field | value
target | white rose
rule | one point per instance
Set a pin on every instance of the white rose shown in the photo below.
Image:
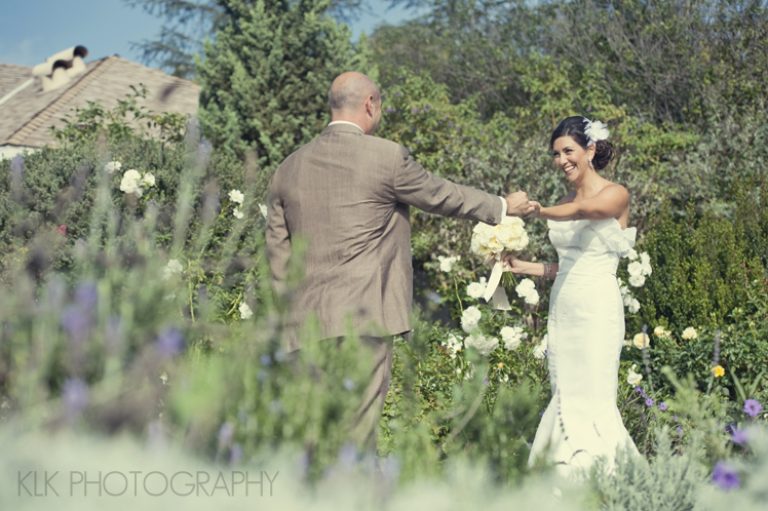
(475, 290)
(148, 179)
(540, 350)
(632, 254)
(263, 210)
(524, 287)
(511, 233)
(641, 341)
(245, 311)
(237, 213)
(512, 337)
(171, 269)
(636, 280)
(131, 182)
(633, 306)
(634, 378)
(661, 332)
(484, 345)
(236, 196)
(635, 268)
(690, 334)
(532, 298)
(453, 344)
(470, 318)
(112, 166)
(447, 262)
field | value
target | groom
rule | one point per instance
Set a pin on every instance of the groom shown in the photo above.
(346, 196)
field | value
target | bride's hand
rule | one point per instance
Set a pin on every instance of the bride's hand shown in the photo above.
(513, 264)
(534, 208)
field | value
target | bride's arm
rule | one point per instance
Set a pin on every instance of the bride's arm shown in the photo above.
(520, 267)
(611, 202)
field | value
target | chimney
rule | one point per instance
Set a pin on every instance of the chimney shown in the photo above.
(61, 67)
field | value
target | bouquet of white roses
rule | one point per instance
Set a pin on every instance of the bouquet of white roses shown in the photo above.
(493, 242)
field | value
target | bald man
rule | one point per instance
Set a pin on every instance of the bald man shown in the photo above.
(346, 195)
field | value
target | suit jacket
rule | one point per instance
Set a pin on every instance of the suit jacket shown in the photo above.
(346, 196)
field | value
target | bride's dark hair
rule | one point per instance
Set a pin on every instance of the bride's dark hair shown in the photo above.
(574, 127)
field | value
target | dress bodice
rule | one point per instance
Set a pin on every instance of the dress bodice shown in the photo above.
(590, 247)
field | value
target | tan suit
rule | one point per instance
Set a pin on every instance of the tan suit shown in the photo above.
(347, 195)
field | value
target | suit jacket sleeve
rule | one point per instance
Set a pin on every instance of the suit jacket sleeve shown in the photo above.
(278, 238)
(416, 187)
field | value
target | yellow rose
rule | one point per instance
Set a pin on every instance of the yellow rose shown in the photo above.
(641, 341)
(718, 371)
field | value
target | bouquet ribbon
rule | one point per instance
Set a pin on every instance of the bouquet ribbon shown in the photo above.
(495, 293)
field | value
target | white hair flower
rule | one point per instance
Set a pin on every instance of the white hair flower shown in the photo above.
(595, 130)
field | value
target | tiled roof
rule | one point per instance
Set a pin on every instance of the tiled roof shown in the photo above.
(26, 118)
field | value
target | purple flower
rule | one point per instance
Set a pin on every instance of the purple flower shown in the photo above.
(390, 109)
(235, 454)
(74, 395)
(87, 295)
(265, 360)
(226, 432)
(752, 407)
(739, 436)
(348, 456)
(170, 342)
(725, 476)
(663, 406)
(113, 334)
(648, 402)
(76, 321)
(679, 430)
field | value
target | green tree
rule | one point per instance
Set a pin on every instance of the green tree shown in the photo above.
(264, 79)
(188, 23)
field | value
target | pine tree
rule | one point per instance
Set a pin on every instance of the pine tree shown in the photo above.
(265, 78)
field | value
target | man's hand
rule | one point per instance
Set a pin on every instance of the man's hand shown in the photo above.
(518, 204)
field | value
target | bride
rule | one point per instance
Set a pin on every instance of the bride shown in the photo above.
(585, 327)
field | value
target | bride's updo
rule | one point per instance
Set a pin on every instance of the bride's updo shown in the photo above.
(586, 133)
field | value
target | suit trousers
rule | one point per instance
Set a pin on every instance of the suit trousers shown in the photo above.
(366, 422)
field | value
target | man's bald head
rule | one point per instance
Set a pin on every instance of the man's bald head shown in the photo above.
(349, 91)
(355, 98)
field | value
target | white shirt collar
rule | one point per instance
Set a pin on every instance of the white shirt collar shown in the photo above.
(334, 123)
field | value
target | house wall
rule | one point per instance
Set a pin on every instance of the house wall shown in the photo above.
(9, 151)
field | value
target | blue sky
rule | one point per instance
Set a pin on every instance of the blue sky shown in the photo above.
(31, 30)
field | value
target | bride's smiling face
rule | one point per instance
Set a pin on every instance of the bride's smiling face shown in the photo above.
(571, 158)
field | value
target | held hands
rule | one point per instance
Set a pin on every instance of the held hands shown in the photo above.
(518, 204)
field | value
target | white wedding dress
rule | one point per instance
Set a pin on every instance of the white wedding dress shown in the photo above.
(585, 332)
